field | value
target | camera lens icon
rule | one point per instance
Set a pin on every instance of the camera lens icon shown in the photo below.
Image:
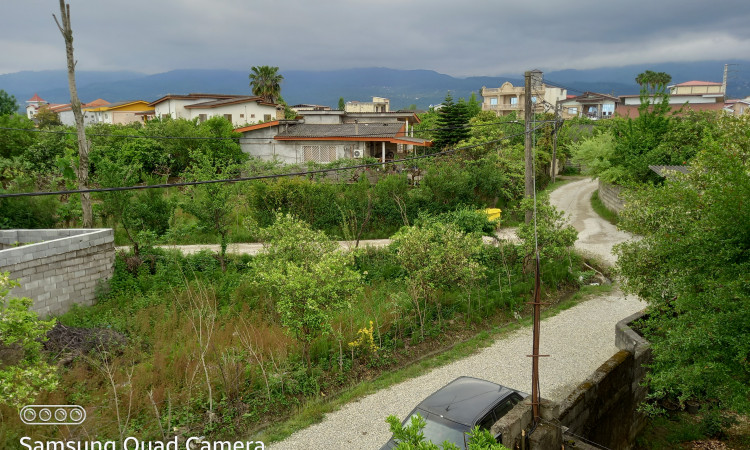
(52, 414)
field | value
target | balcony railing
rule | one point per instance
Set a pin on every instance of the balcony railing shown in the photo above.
(501, 107)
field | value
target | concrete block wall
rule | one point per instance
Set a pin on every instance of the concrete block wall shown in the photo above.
(609, 194)
(604, 408)
(57, 268)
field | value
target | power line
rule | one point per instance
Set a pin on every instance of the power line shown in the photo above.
(136, 136)
(559, 85)
(257, 177)
(567, 431)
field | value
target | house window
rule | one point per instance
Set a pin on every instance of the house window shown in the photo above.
(242, 116)
(252, 116)
(493, 101)
(514, 100)
(165, 116)
(266, 117)
(202, 118)
(572, 110)
(319, 153)
(228, 117)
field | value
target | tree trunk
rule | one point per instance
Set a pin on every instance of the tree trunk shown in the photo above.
(82, 172)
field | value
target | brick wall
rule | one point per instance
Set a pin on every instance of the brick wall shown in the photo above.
(57, 268)
(609, 194)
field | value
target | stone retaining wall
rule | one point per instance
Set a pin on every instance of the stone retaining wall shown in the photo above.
(603, 409)
(57, 268)
(609, 194)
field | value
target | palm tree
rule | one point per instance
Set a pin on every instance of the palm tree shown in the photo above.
(662, 79)
(266, 82)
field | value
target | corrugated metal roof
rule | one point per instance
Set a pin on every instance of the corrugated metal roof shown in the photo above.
(382, 130)
(664, 171)
(227, 101)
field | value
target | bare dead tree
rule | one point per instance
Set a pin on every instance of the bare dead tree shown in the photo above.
(106, 364)
(249, 342)
(82, 171)
(200, 309)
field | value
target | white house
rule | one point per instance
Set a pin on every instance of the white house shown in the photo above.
(590, 105)
(325, 136)
(238, 109)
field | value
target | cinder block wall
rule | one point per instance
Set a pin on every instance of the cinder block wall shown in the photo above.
(609, 194)
(604, 408)
(57, 268)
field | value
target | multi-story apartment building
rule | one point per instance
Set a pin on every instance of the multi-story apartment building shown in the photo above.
(508, 98)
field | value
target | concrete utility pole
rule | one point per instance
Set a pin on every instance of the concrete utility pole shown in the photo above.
(558, 124)
(82, 171)
(531, 79)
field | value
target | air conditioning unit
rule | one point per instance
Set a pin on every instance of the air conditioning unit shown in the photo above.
(357, 153)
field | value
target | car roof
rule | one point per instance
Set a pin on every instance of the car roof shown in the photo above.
(465, 399)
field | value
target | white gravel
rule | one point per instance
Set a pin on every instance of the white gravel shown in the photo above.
(578, 341)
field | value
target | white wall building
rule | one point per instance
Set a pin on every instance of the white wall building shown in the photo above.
(238, 109)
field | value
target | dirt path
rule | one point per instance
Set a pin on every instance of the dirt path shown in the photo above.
(579, 340)
(595, 235)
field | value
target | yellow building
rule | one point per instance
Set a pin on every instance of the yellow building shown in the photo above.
(122, 113)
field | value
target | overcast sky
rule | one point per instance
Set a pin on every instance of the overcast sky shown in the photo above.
(459, 37)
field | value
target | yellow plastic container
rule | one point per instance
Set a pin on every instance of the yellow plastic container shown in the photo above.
(493, 213)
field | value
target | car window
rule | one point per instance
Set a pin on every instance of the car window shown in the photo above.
(499, 411)
(439, 430)
(504, 407)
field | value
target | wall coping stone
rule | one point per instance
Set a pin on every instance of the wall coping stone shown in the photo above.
(627, 339)
(48, 242)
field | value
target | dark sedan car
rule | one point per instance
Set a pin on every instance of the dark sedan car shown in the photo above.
(457, 407)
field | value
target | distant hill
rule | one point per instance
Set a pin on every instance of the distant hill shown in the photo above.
(402, 87)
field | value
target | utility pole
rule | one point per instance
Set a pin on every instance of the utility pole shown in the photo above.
(82, 171)
(531, 80)
(558, 125)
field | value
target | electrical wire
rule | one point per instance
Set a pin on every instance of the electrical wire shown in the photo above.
(241, 138)
(562, 86)
(257, 177)
(567, 431)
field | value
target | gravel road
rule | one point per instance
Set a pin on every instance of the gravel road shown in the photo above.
(579, 340)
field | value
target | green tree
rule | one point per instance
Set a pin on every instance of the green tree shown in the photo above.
(47, 118)
(650, 139)
(212, 203)
(553, 235)
(24, 373)
(653, 80)
(692, 267)
(473, 106)
(143, 215)
(309, 276)
(14, 140)
(436, 255)
(8, 103)
(453, 120)
(265, 82)
(342, 104)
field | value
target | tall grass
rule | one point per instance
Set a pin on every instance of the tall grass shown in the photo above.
(173, 377)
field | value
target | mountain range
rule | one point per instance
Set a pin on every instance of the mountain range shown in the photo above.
(403, 87)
